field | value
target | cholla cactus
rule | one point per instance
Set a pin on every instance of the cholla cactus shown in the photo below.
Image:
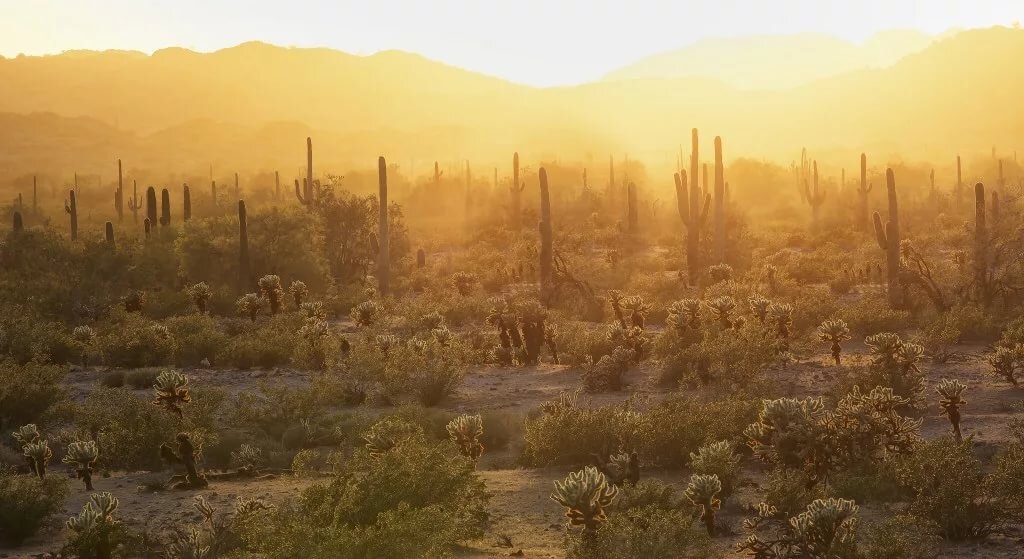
(463, 282)
(313, 329)
(38, 454)
(385, 342)
(759, 307)
(1005, 360)
(249, 305)
(186, 455)
(826, 528)
(722, 309)
(782, 316)
(247, 458)
(85, 337)
(835, 332)
(97, 513)
(785, 431)
(253, 505)
(366, 313)
(720, 273)
(465, 431)
(951, 391)
(314, 309)
(585, 494)
(442, 335)
(883, 347)
(388, 433)
(26, 434)
(622, 468)
(717, 458)
(171, 391)
(615, 300)
(200, 294)
(83, 455)
(703, 491)
(298, 291)
(270, 286)
(638, 310)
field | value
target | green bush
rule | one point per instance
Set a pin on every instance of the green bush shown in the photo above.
(26, 337)
(649, 532)
(29, 391)
(903, 536)
(26, 503)
(197, 337)
(131, 340)
(266, 344)
(672, 429)
(566, 431)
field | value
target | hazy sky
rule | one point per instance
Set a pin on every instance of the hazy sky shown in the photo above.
(539, 42)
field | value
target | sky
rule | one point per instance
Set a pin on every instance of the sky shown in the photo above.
(535, 42)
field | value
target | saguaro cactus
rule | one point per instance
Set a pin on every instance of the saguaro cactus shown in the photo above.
(119, 193)
(632, 214)
(815, 198)
(718, 221)
(688, 201)
(277, 185)
(151, 206)
(515, 210)
(213, 193)
(109, 233)
(35, 196)
(186, 203)
(309, 169)
(980, 246)
(959, 182)
(862, 193)
(71, 207)
(243, 248)
(148, 226)
(546, 242)
(384, 231)
(238, 189)
(889, 241)
(134, 204)
(165, 208)
(18, 225)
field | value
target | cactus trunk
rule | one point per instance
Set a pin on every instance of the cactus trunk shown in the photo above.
(421, 258)
(515, 211)
(688, 199)
(863, 218)
(119, 195)
(959, 182)
(309, 170)
(18, 225)
(72, 209)
(165, 208)
(384, 231)
(719, 210)
(35, 196)
(243, 248)
(108, 230)
(277, 186)
(186, 203)
(980, 246)
(546, 242)
(889, 241)
(632, 215)
(151, 205)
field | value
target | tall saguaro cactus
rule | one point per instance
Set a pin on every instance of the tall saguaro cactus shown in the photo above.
(18, 225)
(134, 204)
(243, 248)
(632, 213)
(889, 241)
(862, 194)
(815, 198)
(35, 196)
(151, 205)
(165, 208)
(959, 182)
(71, 207)
(277, 186)
(546, 241)
(688, 200)
(309, 169)
(718, 220)
(108, 230)
(383, 230)
(119, 194)
(186, 203)
(980, 246)
(515, 210)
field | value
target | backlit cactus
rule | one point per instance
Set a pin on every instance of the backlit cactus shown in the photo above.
(981, 247)
(119, 193)
(171, 392)
(717, 458)
(827, 527)
(200, 294)
(516, 191)
(383, 230)
(722, 309)
(18, 226)
(684, 313)
(703, 492)
(863, 189)
(692, 212)
(952, 400)
(270, 287)
(632, 210)
(249, 305)
(306, 196)
(781, 315)
(546, 253)
(637, 309)
(718, 219)
(134, 204)
(834, 332)
(816, 197)
(165, 208)
(186, 456)
(366, 313)
(83, 455)
(244, 273)
(889, 240)
(585, 494)
(71, 207)
(759, 307)
(96, 523)
(465, 431)
(299, 292)
(151, 206)
(186, 203)
(38, 454)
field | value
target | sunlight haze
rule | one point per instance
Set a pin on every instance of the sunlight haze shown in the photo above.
(532, 42)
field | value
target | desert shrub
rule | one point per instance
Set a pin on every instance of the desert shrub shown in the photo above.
(428, 370)
(112, 379)
(579, 341)
(826, 529)
(24, 337)
(606, 374)
(650, 532)
(412, 473)
(646, 493)
(273, 408)
(894, 364)
(903, 536)
(198, 337)
(868, 483)
(672, 429)
(129, 430)
(142, 379)
(872, 314)
(317, 345)
(26, 502)
(266, 344)
(501, 428)
(951, 490)
(29, 391)
(131, 340)
(96, 532)
(567, 431)
(787, 491)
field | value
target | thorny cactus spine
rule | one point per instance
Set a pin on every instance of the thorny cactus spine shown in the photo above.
(465, 431)
(171, 391)
(834, 332)
(889, 240)
(585, 494)
(952, 400)
(83, 455)
(703, 491)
